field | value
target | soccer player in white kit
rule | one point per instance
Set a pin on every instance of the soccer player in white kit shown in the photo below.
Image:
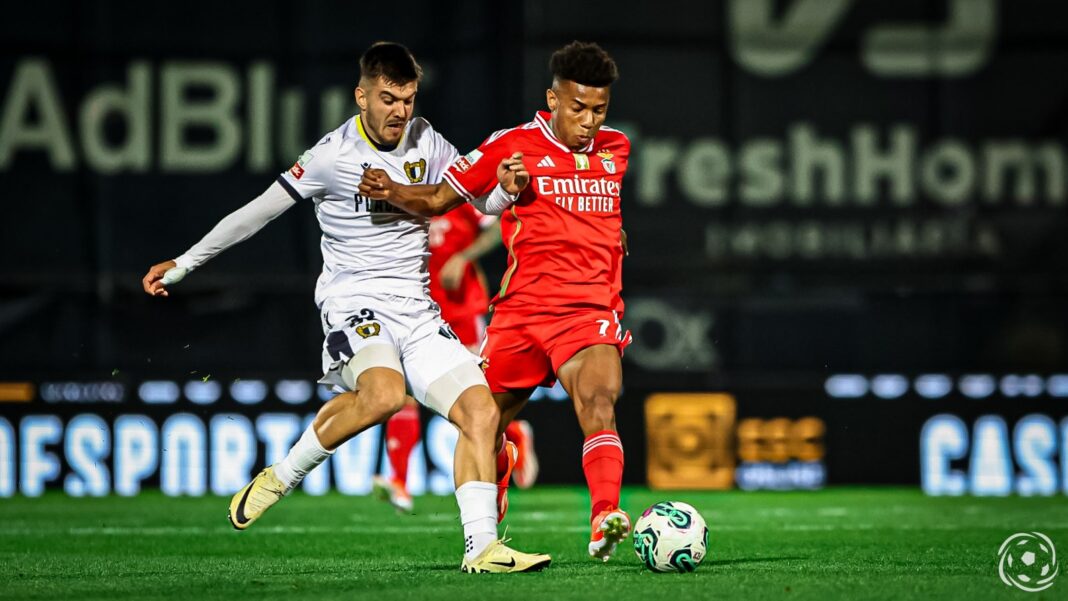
(380, 323)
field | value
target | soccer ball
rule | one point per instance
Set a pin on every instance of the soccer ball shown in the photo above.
(671, 537)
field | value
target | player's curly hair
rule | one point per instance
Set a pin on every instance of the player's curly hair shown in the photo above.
(390, 60)
(584, 63)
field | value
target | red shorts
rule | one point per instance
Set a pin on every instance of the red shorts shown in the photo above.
(524, 349)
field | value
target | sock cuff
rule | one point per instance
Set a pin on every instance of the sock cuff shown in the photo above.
(478, 505)
(312, 439)
(605, 439)
(476, 485)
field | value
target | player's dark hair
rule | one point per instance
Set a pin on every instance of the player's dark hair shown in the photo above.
(584, 63)
(391, 61)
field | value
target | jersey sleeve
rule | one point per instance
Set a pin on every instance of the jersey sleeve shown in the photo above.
(475, 174)
(314, 172)
(442, 154)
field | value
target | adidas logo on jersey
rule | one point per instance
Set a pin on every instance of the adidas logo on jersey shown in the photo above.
(546, 162)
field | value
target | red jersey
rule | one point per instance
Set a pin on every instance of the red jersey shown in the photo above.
(563, 233)
(450, 234)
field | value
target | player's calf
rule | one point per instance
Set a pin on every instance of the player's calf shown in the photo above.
(596, 408)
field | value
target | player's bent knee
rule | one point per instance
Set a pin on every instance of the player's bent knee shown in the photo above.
(476, 417)
(382, 402)
(443, 393)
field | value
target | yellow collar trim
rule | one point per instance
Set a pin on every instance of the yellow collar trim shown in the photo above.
(372, 143)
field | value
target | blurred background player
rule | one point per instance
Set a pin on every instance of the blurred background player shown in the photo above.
(558, 310)
(458, 239)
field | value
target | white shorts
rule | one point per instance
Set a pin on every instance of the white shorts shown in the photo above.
(423, 347)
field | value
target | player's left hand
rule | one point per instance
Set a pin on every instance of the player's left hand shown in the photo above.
(153, 280)
(452, 272)
(513, 174)
(376, 185)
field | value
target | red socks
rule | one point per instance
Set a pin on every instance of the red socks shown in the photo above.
(515, 434)
(602, 461)
(502, 459)
(402, 433)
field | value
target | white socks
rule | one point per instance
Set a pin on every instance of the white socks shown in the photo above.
(302, 458)
(478, 513)
(477, 500)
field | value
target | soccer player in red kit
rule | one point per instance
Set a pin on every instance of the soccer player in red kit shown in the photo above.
(458, 239)
(557, 313)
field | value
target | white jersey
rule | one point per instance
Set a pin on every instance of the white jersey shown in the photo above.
(369, 246)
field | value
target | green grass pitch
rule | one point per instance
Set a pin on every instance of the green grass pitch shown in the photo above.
(843, 543)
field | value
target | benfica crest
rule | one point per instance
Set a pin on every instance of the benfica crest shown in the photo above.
(607, 162)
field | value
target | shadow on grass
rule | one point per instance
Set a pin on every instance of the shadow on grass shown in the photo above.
(630, 567)
(741, 560)
(627, 566)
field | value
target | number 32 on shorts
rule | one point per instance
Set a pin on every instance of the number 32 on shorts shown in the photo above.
(368, 329)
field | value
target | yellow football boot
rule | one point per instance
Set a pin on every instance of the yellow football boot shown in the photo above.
(500, 558)
(257, 497)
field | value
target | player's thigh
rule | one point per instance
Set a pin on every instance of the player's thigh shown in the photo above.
(439, 369)
(382, 389)
(585, 347)
(473, 410)
(594, 373)
(510, 404)
(514, 363)
(513, 400)
(569, 334)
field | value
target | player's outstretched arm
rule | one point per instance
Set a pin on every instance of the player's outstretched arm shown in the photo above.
(235, 227)
(426, 200)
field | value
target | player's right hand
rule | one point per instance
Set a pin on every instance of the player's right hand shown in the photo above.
(152, 280)
(513, 174)
(376, 184)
